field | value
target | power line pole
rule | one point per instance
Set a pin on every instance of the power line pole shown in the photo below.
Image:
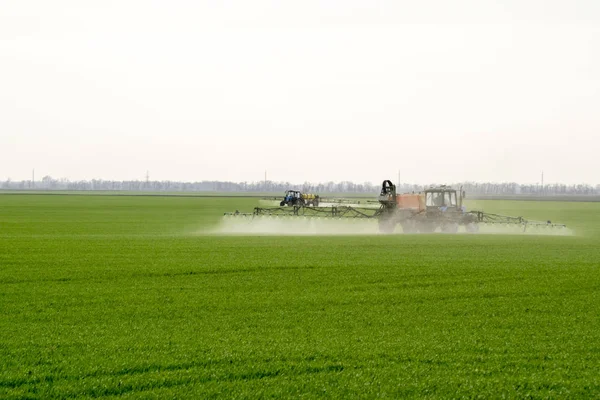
(33, 178)
(542, 182)
(398, 179)
(265, 179)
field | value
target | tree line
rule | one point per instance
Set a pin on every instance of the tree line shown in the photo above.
(510, 188)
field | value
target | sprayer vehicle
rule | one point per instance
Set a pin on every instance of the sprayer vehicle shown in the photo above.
(434, 208)
(310, 199)
(298, 199)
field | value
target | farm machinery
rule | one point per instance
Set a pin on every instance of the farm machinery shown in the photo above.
(297, 198)
(439, 207)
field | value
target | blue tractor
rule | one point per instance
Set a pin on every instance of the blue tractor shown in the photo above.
(295, 198)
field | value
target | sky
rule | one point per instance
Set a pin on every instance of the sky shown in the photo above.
(329, 90)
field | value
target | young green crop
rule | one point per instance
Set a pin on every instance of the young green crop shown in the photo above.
(124, 296)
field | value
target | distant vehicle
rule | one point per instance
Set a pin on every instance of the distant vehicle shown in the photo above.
(298, 199)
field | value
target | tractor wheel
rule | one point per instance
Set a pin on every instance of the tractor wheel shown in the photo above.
(409, 226)
(472, 227)
(427, 227)
(316, 202)
(386, 226)
(450, 227)
(282, 204)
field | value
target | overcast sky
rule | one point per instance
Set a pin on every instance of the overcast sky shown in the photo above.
(323, 90)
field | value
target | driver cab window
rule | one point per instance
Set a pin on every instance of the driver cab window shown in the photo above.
(450, 199)
(434, 199)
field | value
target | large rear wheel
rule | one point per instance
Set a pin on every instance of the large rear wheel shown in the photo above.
(409, 226)
(472, 227)
(450, 227)
(427, 227)
(387, 226)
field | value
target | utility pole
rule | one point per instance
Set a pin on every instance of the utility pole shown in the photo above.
(542, 182)
(265, 179)
(398, 179)
(147, 176)
(33, 178)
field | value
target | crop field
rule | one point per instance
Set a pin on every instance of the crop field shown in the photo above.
(132, 297)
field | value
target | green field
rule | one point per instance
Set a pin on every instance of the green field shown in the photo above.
(123, 296)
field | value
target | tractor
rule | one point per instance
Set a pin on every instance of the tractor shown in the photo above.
(297, 199)
(425, 211)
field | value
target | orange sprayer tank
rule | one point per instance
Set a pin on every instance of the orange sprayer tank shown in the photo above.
(411, 201)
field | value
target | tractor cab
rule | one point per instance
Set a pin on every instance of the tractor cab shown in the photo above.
(441, 197)
(291, 198)
(292, 195)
